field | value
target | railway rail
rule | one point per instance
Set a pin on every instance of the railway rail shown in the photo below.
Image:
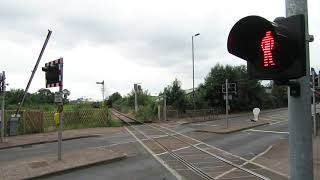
(185, 154)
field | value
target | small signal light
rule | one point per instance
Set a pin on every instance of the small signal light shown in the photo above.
(267, 45)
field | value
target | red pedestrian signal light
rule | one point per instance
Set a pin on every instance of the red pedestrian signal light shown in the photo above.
(267, 45)
(273, 50)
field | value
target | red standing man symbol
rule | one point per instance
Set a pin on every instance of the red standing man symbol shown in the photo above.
(267, 45)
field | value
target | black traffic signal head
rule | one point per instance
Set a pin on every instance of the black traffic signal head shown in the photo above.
(52, 73)
(273, 50)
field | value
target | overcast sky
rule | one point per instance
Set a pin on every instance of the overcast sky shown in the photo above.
(127, 41)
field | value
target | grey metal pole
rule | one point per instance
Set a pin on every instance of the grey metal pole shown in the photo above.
(319, 79)
(300, 123)
(159, 112)
(103, 90)
(135, 98)
(194, 104)
(60, 122)
(227, 104)
(165, 107)
(2, 108)
(314, 102)
(193, 74)
(60, 131)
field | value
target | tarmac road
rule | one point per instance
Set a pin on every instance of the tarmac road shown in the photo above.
(141, 165)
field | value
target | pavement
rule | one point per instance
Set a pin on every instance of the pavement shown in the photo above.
(107, 154)
(43, 166)
(20, 164)
(41, 138)
(232, 126)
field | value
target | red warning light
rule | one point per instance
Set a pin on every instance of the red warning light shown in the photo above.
(267, 45)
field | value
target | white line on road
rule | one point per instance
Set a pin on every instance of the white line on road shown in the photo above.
(177, 149)
(226, 152)
(158, 136)
(204, 124)
(251, 160)
(263, 131)
(115, 144)
(277, 122)
(173, 172)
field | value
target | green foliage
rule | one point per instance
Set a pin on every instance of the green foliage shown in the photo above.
(175, 96)
(43, 99)
(145, 112)
(279, 94)
(113, 98)
(115, 123)
(250, 93)
(146, 104)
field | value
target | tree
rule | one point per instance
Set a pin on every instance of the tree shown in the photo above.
(175, 96)
(250, 93)
(280, 94)
(113, 98)
(14, 96)
(44, 96)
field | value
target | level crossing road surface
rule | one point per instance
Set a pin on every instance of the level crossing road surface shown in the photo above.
(187, 159)
(239, 148)
(236, 147)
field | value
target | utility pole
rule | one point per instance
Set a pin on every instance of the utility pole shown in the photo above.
(300, 123)
(165, 107)
(135, 86)
(227, 104)
(314, 102)
(3, 84)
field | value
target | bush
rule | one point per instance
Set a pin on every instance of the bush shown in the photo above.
(145, 113)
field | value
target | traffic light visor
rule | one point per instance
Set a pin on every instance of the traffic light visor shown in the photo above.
(249, 36)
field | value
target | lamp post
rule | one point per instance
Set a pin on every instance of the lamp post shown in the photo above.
(194, 106)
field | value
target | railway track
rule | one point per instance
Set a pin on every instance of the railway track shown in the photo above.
(191, 158)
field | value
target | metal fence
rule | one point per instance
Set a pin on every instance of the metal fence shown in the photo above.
(38, 122)
(199, 114)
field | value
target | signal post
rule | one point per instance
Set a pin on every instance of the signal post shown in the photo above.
(279, 51)
(54, 78)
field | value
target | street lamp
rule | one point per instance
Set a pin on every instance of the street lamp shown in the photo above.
(194, 106)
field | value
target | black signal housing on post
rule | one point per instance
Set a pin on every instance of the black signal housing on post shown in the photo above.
(54, 73)
(273, 50)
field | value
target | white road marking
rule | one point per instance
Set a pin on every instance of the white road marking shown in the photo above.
(204, 124)
(115, 144)
(263, 131)
(239, 157)
(159, 154)
(158, 136)
(173, 172)
(277, 122)
(251, 160)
